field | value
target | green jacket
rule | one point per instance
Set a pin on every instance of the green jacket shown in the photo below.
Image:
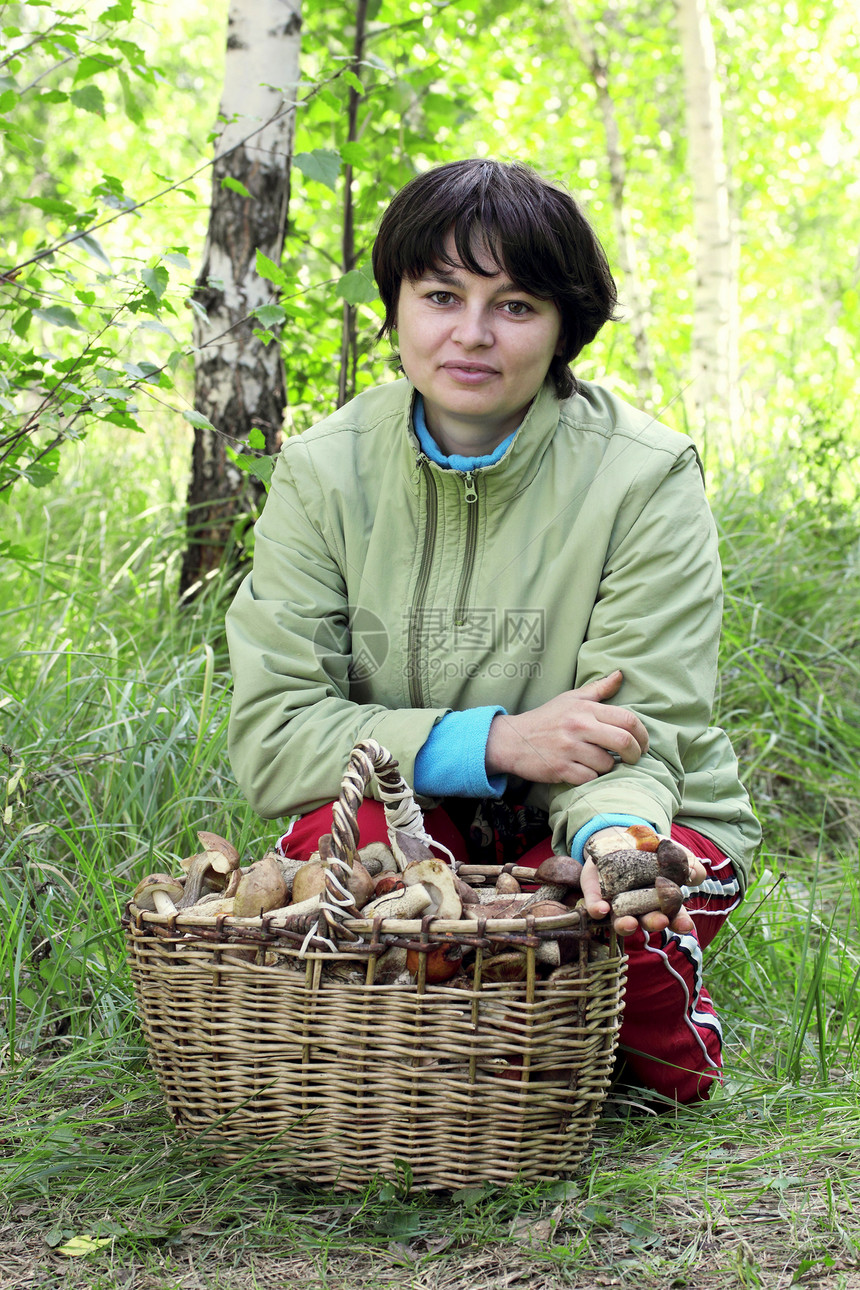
(387, 591)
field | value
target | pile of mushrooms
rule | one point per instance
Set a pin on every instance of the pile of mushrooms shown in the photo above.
(638, 871)
(642, 878)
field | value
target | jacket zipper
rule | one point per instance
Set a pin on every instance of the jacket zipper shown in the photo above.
(415, 626)
(461, 598)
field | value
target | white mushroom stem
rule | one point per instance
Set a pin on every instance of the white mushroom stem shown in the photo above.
(163, 903)
(399, 904)
(302, 907)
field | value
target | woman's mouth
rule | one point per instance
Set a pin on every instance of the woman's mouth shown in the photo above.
(470, 373)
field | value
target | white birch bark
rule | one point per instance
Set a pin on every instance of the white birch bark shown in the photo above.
(636, 308)
(714, 387)
(239, 382)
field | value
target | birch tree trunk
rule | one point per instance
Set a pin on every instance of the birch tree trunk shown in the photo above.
(637, 310)
(714, 359)
(348, 357)
(239, 381)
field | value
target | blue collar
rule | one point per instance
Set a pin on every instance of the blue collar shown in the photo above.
(455, 461)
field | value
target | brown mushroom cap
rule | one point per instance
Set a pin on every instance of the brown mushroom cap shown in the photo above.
(223, 855)
(673, 862)
(310, 881)
(563, 870)
(262, 888)
(146, 893)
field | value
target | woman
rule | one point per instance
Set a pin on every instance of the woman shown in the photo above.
(469, 564)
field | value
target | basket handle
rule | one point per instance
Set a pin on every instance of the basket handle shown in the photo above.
(367, 759)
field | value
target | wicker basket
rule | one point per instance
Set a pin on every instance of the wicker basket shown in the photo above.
(272, 1044)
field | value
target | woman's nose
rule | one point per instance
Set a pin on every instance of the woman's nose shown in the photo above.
(473, 329)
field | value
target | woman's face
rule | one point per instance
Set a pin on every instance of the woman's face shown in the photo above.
(478, 350)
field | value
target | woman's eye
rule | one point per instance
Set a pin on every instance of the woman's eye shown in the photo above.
(517, 307)
(441, 297)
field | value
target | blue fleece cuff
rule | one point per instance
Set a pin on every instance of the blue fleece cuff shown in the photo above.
(455, 462)
(452, 760)
(602, 822)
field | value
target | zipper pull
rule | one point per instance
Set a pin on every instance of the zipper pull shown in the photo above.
(420, 459)
(471, 490)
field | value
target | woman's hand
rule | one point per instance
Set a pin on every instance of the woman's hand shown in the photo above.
(598, 907)
(568, 740)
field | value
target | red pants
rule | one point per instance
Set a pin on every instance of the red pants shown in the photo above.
(670, 1034)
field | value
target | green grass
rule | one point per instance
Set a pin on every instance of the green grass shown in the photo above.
(114, 703)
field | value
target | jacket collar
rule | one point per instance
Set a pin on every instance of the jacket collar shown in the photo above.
(515, 470)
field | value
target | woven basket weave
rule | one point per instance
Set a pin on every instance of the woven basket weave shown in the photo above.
(292, 1056)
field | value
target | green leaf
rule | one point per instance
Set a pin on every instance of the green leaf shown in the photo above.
(270, 271)
(176, 257)
(322, 166)
(269, 315)
(196, 308)
(79, 1246)
(354, 154)
(256, 439)
(21, 325)
(90, 98)
(260, 467)
(122, 11)
(197, 419)
(91, 244)
(8, 99)
(51, 206)
(59, 316)
(152, 324)
(40, 473)
(235, 186)
(92, 66)
(133, 109)
(352, 80)
(156, 279)
(357, 287)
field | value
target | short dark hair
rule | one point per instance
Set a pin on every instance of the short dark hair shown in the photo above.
(534, 231)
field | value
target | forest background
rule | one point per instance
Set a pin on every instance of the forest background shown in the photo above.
(114, 678)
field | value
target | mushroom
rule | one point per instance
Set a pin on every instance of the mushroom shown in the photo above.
(665, 896)
(390, 965)
(673, 861)
(498, 907)
(634, 837)
(262, 888)
(377, 858)
(310, 881)
(509, 967)
(442, 962)
(388, 882)
(559, 870)
(435, 876)
(468, 895)
(631, 870)
(410, 903)
(547, 891)
(507, 884)
(158, 893)
(409, 850)
(547, 909)
(219, 857)
(211, 905)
